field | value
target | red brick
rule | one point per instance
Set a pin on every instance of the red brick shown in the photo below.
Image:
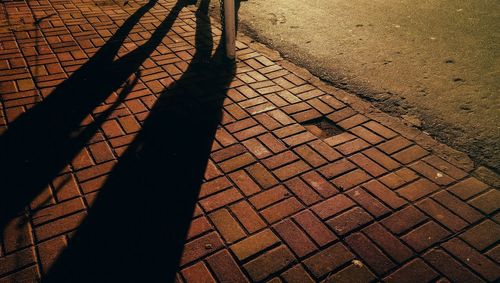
(225, 268)
(65, 187)
(197, 273)
(414, 271)
(200, 247)
(328, 260)
(381, 158)
(351, 179)
(384, 194)
(211, 171)
(101, 152)
(488, 202)
(339, 139)
(267, 121)
(248, 216)
(291, 170)
(228, 152)
(254, 244)
(257, 148)
(394, 145)
(29, 274)
(220, 199)
(59, 226)
(431, 173)
(449, 267)
(482, 235)
(198, 226)
(417, 189)
(214, 186)
(442, 215)
(269, 263)
(56, 211)
(332, 206)
(368, 165)
(249, 133)
(281, 117)
(352, 121)
(468, 188)
(403, 220)
(398, 178)
(425, 236)
(280, 159)
(281, 210)
(473, 259)
(236, 162)
(49, 251)
(111, 129)
(297, 240)
(371, 204)
(241, 125)
(244, 183)
(16, 234)
(263, 177)
(336, 168)
(310, 156)
(299, 139)
(303, 191)
(269, 197)
(325, 150)
(379, 129)
(17, 260)
(457, 206)
(366, 135)
(341, 114)
(367, 250)
(95, 171)
(445, 167)
(348, 221)
(289, 131)
(272, 143)
(322, 186)
(297, 274)
(224, 138)
(315, 228)
(410, 154)
(227, 226)
(388, 242)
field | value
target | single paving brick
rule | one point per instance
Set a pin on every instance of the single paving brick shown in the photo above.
(367, 250)
(315, 228)
(488, 202)
(350, 220)
(269, 263)
(368, 202)
(197, 273)
(425, 236)
(468, 188)
(442, 215)
(247, 216)
(227, 226)
(482, 235)
(473, 259)
(353, 273)
(200, 247)
(388, 242)
(403, 220)
(414, 271)
(254, 244)
(328, 260)
(332, 206)
(450, 267)
(281, 210)
(297, 274)
(295, 238)
(225, 267)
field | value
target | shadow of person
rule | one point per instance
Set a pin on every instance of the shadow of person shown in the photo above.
(40, 143)
(136, 228)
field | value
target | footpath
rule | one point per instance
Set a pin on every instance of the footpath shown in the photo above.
(130, 151)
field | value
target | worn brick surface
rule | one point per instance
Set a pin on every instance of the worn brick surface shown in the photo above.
(276, 201)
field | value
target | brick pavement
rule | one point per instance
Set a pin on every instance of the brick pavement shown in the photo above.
(257, 173)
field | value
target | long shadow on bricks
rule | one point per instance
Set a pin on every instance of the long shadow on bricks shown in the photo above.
(39, 144)
(136, 229)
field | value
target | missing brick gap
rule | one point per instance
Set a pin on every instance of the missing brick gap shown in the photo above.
(322, 127)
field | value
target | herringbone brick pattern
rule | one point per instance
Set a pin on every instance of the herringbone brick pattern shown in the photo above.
(283, 198)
